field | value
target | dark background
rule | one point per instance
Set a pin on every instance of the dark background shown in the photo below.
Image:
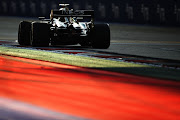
(156, 12)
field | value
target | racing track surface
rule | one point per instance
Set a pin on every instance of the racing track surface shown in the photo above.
(85, 93)
(148, 41)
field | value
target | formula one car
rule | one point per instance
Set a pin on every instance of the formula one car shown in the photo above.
(65, 27)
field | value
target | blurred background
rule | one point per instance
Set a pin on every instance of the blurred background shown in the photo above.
(156, 12)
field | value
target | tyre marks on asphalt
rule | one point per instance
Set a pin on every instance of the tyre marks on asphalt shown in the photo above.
(88, 93)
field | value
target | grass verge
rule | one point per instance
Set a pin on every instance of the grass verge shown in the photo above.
(96, 63)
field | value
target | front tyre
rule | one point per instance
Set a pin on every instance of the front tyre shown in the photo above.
(40, 34)
(100, 36)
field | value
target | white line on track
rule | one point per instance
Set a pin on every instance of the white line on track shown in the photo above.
(16, 110)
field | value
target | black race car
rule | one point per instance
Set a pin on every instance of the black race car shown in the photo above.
(65, 27)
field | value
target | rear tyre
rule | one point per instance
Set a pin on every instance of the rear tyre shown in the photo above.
(100, 36)
(24, 33)
(85, 42)
(40, 34)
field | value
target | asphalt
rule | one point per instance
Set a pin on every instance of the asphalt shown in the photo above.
(141, 40)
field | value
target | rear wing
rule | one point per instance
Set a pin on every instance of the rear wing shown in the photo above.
(71, 13)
